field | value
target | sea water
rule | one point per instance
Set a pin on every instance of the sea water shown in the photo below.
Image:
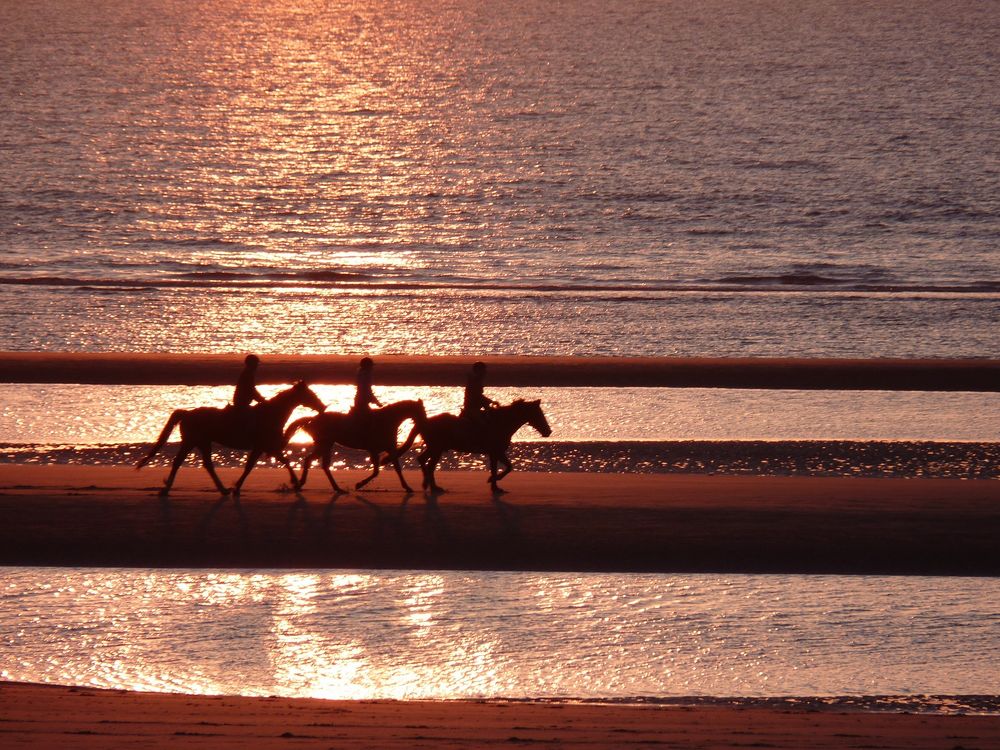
(432, 635)
(788, 178)
(579, 178)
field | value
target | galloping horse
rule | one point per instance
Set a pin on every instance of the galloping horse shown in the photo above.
(377, 435)
(202, 427)
(492, 438)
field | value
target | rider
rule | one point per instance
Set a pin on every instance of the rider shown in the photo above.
(364, 397)
(476, 404)
(246, 392)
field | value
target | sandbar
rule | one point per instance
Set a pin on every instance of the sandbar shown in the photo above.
(149, 368)
(112, 516)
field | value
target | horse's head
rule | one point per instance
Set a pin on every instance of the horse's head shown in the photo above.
(536, 418)
(413, 410)
(304, 396)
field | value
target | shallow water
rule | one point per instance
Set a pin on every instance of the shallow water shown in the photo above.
(361, 634)
(65, 414)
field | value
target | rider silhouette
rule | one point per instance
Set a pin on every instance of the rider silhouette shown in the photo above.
(476, 404)
(246, 393)
(364, 397)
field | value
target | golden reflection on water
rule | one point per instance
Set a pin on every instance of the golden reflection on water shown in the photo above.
(463, 635)
(325, 667)
(94, 415)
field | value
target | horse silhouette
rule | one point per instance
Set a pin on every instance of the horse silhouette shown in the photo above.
(489, 436)
(375, 433)
(260, 434)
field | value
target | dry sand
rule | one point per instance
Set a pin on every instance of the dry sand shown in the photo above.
(44, 717)
(75, 515)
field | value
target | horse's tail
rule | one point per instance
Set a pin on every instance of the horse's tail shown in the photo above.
(417, 429)
(164, 434)
(295, 427)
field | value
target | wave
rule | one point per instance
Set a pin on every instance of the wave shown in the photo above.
(320, 279)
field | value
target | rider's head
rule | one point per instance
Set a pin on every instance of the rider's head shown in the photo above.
(252, 360)
(367, 363)
(479, 368)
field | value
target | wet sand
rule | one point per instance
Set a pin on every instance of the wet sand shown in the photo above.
(112, 516)
(44, 717)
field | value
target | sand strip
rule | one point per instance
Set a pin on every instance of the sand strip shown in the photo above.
(111, 516)
(44, 717)
(409, 370)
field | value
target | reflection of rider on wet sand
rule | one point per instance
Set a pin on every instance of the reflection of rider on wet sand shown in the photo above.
(246, 394)
(476, 405)
(361, 412)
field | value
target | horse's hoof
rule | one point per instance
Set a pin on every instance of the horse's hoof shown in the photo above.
(164, 492)
(499, 490)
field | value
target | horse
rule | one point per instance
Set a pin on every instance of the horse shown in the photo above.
(491, 438)
(206, 425)
(375, 433)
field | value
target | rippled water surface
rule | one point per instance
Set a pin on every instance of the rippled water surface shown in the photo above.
(721, 177)
(453, 635)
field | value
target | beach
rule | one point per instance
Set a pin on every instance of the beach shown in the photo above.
(44, 716)
(749, 275)
(112, 516)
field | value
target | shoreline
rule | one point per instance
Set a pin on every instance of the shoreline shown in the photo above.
(112, 517)
(903, 459)
(49, 716)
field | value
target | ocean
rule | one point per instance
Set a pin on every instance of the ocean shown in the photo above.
(642, 178)
(579, 177)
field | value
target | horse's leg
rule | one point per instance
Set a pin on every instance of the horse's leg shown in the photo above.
(430, 464)
(251, 461)
(366, 480)
(508, 466)
(280, 455)
(325, 465)
(306, 462)
(206, 458)
(182, 453)
(493, 474)
(394, 457)
(422, 460)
